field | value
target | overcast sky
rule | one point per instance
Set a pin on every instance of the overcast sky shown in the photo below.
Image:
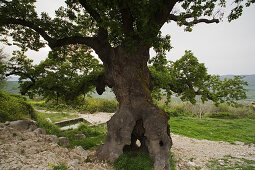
(225, 48)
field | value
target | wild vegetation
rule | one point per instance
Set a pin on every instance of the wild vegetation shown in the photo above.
(14, 107)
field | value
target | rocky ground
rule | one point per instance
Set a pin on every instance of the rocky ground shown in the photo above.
(27, 147)
(33, 149)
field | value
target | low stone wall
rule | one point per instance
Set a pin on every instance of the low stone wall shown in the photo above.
(70, 121)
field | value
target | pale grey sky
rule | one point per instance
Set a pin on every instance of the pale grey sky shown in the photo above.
(225, 48)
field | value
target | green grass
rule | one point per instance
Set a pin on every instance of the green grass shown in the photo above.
(231, 163)
(14, 107)
(214, 129)
(95, 135)
(134, 161)
(56, 117)
(138, 160)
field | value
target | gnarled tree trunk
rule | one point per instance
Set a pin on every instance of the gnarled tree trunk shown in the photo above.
(137, 118)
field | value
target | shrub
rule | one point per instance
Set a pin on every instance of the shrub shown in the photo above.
(99, 105)
(14, 107)
(223, 115)
(175, 111)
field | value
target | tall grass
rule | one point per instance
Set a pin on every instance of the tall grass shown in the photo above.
(14, 107)
(208, 109)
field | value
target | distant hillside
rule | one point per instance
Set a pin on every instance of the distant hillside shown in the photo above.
(13, 87)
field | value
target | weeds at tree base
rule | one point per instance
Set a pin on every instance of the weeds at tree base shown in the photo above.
(139, 160)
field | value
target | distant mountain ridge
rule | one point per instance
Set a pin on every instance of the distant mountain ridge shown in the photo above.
(12, 86)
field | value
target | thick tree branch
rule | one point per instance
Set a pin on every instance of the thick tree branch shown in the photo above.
(102, 34)
(91, 11)
(53, 43)
(177, 18)
(127, 18)
(9, 21)
(162, 13)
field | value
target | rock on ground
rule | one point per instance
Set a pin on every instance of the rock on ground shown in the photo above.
(24, 149)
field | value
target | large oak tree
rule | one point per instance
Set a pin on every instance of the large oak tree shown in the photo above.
(121, 32)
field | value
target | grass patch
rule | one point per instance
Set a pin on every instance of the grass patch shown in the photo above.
(215, 129)
(231, 163)
(172, 161)
(56, 117)
(95, 135)
(14, 107)
(134, 161)
(138, 160)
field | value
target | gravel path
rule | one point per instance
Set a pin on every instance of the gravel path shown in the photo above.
(191, 153)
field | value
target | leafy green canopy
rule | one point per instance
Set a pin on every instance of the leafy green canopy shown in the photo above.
(65, 77)
(187, 78)
(104, 25)
(118, 22)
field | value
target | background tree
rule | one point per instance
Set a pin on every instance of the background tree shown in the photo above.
(121, 33)
(63, 78)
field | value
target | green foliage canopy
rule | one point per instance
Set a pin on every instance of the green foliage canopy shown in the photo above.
(65, 77)
(188, 78)
(102, 25)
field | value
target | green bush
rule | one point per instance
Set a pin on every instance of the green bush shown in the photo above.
(252, 116)
(99, 105)
(14, 107)
(223, 115)
(175, 111)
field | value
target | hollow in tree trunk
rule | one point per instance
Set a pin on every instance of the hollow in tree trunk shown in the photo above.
(137, 118)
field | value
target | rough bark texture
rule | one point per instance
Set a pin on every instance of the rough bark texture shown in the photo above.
(137, 117)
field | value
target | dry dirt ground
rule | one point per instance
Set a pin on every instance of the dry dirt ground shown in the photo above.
(29, 150)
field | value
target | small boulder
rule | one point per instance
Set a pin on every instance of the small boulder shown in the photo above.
(75, 164)
(32, 128)
(80, 151)
(7, 123)
(64, 141)
(40, 131)
(79, 136)
(21, 124)
(53, 138)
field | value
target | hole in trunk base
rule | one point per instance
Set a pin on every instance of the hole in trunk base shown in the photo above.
(137, 138)
(161, 143)
(138, 143)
